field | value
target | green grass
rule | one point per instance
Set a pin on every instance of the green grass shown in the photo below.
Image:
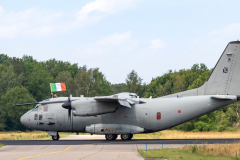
(177, 154)
(2, 145)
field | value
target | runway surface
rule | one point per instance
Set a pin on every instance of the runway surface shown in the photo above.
(118, 142)
(91, 147)
(76, 152)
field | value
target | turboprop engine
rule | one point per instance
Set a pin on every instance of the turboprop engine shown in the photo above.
(100, 105)
(90, 107)
(113, 129)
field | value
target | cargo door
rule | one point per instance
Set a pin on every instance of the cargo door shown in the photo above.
(144, 118)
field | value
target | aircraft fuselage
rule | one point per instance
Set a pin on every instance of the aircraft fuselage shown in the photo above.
(153, 115)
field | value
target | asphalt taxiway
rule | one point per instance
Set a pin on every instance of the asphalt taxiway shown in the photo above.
(91, 147)
(118, 142)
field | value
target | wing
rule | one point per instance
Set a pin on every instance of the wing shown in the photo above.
(115, 99)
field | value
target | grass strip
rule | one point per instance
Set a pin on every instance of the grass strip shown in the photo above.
(1, 145)
(178, 154)
(174, 134)
(231, 149)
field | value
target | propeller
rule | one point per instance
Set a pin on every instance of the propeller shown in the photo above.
(67, 105)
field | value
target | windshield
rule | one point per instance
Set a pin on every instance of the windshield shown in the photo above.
(35, 108)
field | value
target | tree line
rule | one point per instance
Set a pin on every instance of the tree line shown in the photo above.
(25, 80)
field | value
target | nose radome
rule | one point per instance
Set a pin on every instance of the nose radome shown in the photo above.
(23, 120)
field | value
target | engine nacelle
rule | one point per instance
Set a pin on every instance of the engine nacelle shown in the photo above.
(113, 129)
(89, 107)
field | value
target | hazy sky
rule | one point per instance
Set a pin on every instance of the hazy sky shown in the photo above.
(118, 36)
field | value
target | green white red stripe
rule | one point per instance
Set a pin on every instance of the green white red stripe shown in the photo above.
(55, 87)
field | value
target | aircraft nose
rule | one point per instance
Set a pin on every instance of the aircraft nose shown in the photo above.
(23, 120)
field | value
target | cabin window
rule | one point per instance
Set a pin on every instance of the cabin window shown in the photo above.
(159, 116)
(40, 116)
(35, 116)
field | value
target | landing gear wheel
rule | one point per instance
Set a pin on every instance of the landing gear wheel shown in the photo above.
(55, 138)
(131, 136)
(111, 136)
(126, 136)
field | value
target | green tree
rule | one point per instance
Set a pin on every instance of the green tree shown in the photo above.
(118, 88)
(134, 83)
(10, 115)
(54, 67)
(3, 57)
(66, 77)
(38, 83)
(8, 79)
(92, 82)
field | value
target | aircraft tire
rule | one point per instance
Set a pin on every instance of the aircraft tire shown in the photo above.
(111, 136)
(55, 138)
(126, 136)
(131, 136)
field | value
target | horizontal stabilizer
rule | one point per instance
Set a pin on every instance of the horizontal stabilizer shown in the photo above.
(224, 97)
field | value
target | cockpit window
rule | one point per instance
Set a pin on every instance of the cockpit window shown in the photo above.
(35, 109)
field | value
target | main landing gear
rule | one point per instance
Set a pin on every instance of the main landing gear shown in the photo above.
(55, 138)
(114, 136)
(111, 136)
(126, 136)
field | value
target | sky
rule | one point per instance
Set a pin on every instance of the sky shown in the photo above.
(118, 36)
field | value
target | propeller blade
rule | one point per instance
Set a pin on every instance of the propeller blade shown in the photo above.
(69, 113)
(67, 105)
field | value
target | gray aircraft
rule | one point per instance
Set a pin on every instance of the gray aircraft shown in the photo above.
(126, 114)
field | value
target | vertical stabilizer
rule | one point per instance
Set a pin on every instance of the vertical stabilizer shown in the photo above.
(225, 77)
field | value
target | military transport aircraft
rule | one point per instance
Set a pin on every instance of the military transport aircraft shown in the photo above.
(126, 114)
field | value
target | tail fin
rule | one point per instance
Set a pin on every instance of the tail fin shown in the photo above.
(225, 77)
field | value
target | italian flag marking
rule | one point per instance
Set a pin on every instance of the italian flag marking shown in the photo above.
(58, 87)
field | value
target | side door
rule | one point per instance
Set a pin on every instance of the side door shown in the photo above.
(144, 119)
(40, 115)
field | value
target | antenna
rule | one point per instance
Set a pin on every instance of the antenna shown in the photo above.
(69, 91)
